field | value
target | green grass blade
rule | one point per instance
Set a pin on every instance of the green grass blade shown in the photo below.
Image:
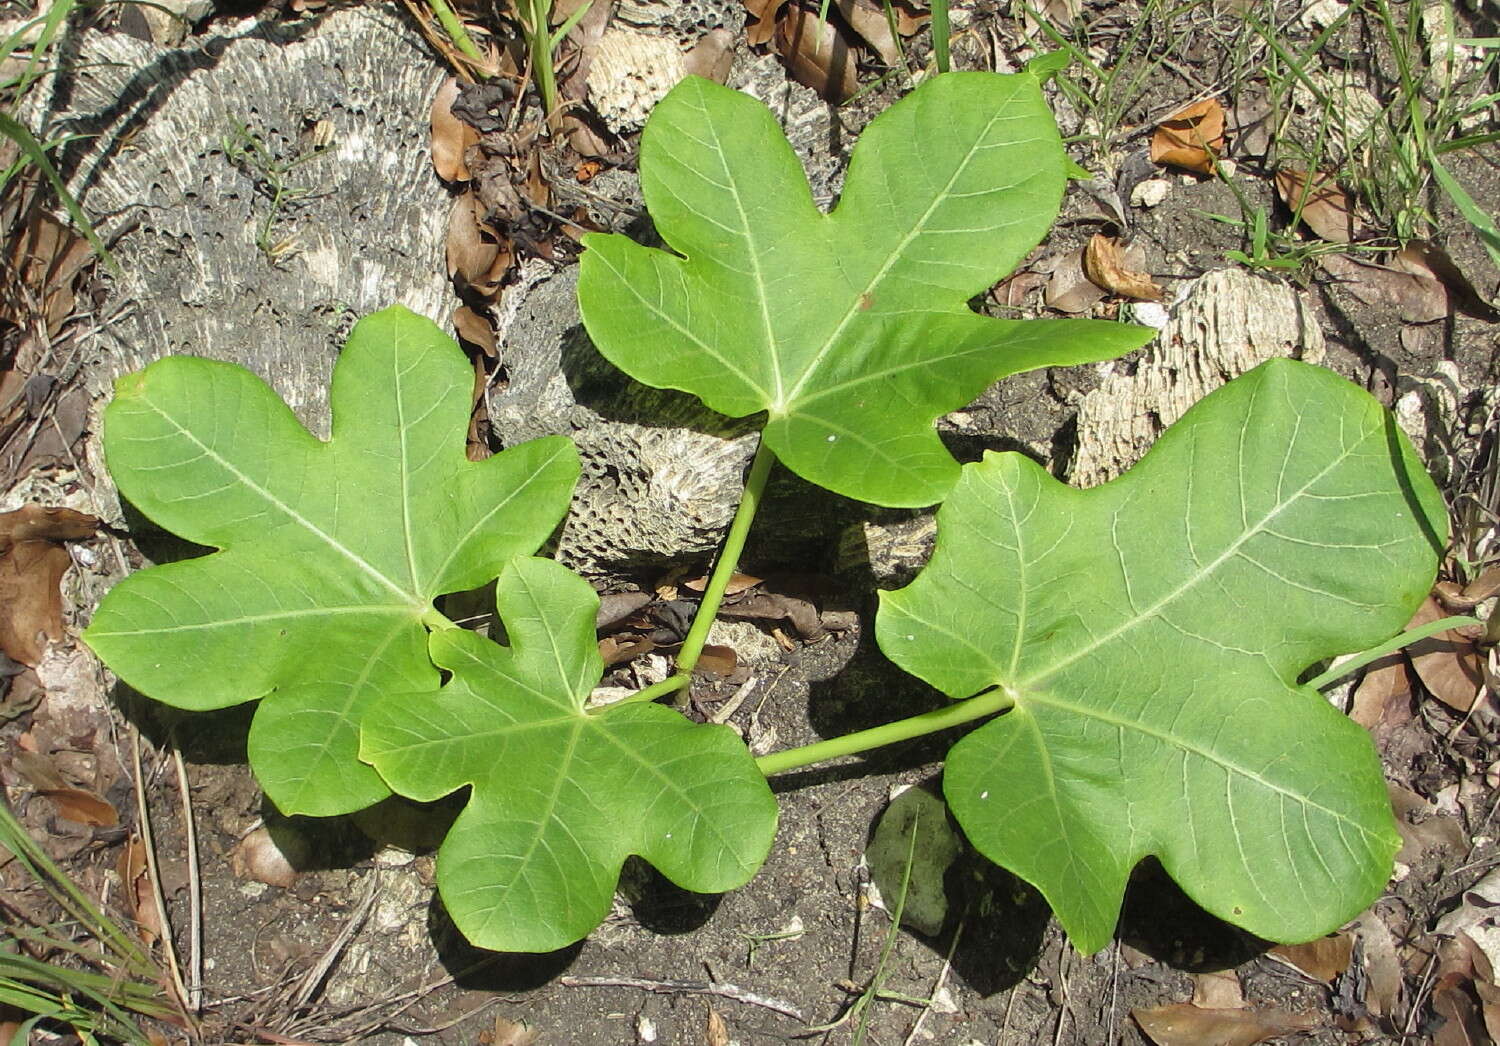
(1475, 215)
(33, 151)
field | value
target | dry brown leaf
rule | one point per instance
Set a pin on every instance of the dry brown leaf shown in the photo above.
(869, 21)
(258, 857)
(44, 261)
(1060, 13)
(32, 563)
(134, 872)
(1218, 990)
(761, 28)
(1183, 1024)
(475, 255)
(715, 1031)
(616, 650)
(615, 607)
(82, 807)
(773, 606)
(1192, 138)
(1382, 964)
(717, 660)
(1013, 291)
(816, 53)
(451, 137)
(1383, 697)
(712, 56)
(1326, 209)
(1417, 299)
(1423, 826)
(475, 329)
(509, 1033)
(1323, 960)
(1462, 1025)
(1449, 664)
(1424, 258)
(1105, 266)
(738, 583)
(1069, 289)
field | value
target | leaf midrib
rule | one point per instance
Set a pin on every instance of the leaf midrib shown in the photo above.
(369, 569)
(1038, 679)
(787, 404)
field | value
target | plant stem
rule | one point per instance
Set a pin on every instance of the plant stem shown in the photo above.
(718, 581)
(455, 29)
(940, 33)
(728, 561)
(985, 703)
(436, 620)
(1405, 639)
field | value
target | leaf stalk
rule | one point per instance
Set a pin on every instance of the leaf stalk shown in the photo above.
(983, 704)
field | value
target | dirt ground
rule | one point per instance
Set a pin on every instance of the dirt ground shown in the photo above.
(349, 944)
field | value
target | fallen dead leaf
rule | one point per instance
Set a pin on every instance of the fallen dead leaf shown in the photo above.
(258, 857)
(1183, 1024)
(451, 137)
(1383, 697)
(82, 807)
(1465, 599)
(43, 262)
(1191, 139)
(1462, 1025)
(1450, 665)
(1218, 990)
(475, 329)
(32, 563)
(816, 52)
(507, 1032)
(1069, 289)
(772, 606)
(1325, 208)
(715, 1031)
(869, 21)
(1059, 13)
(738, 583)
(1105, 266)
(1417, 299)
(615, 607)
(712, 56)
(717, 660)
(134, 872)
(475, 255)
(1382, 965)
(617, 650)
(1424, 258)
(761, 28)
(1423, 826)
(1324, 960)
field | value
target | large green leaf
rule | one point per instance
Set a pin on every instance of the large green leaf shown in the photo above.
(562, 796)
(1151, 632)
(850, 329)
(332, 552)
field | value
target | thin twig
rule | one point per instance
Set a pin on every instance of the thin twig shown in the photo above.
(937, 985)
(195, 890)
(149, 845)
(720, 988)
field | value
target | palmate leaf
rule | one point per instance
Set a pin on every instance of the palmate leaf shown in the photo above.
(850, 329)
(1151, 632)
(332, 553)
(562, 796)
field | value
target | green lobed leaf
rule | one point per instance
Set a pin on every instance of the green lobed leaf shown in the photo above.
(561, 796)
(850, 329)
(330, 553)
(1151, 632)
